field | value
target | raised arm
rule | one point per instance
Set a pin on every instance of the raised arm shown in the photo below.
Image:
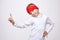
(24, 25)
(27, 24)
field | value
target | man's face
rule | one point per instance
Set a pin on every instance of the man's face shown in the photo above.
(35, 12)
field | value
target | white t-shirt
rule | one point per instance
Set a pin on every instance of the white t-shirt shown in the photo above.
(37, 26)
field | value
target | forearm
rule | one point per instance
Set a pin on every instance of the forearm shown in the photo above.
(19, 26)
(50, 27)
(22, 25)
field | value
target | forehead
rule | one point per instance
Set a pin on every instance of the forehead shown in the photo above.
(34, 10)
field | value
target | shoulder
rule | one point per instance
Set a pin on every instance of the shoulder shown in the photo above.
(44, 16)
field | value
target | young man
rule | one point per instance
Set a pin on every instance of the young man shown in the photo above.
(38, 23)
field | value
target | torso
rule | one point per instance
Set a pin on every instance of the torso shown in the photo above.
(38, 27)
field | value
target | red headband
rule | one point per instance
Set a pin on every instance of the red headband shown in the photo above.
(31, 8)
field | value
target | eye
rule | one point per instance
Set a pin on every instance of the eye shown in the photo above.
(32, 12)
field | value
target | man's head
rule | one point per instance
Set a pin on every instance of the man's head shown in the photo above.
(32, 9)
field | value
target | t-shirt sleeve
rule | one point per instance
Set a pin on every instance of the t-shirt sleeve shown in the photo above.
(24, 25)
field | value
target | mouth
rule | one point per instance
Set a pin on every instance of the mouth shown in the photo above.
(35, 15)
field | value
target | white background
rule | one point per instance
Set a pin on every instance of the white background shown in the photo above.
(18, 10)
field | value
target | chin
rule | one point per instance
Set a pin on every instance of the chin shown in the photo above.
(35, 16)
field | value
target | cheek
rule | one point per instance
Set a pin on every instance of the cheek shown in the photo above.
(33, 15)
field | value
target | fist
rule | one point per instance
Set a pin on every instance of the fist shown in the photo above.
(10, 19)
(45, 33)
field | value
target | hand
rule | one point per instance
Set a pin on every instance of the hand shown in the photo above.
(10, 19)
(45, 33)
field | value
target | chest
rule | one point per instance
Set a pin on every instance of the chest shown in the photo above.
(39, 21)
(38, 24)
